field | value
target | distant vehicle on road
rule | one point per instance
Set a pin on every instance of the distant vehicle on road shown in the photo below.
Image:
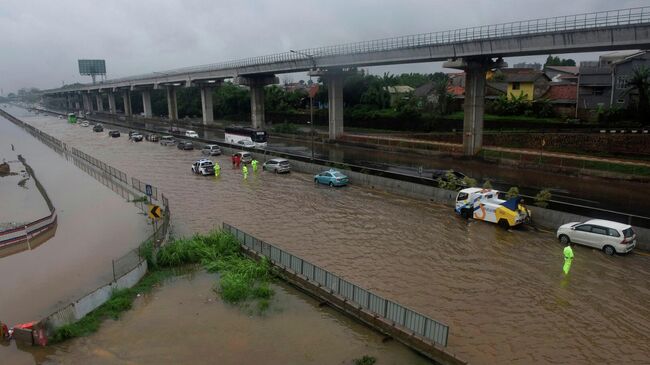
(277, 165)
(136, 137)
(235, 134)
(485, 205)
(332, 178)
(246, 143)
(167, 141)
(610, 237)
(192, 134)
(84, 124)
(114, 133)
(203, 166)
(174, 130)
(185, 145)
(153, 137)
(211, 150)
(245, 157)
(72, 118)
(98, 128)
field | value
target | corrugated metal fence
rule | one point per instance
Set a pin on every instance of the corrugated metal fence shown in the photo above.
(389, 310)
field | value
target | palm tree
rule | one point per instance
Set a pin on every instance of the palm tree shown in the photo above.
(640, 82)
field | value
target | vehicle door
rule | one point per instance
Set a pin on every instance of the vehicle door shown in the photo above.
(324, 177)
(581, 234)
(599, 237)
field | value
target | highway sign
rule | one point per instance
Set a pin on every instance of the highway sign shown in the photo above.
(148, 190)
(154, 211)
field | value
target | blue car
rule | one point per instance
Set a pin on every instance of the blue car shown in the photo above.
(331, 178)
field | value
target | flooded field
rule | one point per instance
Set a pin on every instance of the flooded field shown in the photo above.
(502, 293)
(94, 226)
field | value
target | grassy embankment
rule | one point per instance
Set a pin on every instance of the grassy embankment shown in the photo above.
(241, 280)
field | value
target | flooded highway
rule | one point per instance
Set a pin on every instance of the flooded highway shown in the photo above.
(95, 225)
(585, 190)
(501, 292)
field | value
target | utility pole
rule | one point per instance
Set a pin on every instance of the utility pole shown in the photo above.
(311, 97)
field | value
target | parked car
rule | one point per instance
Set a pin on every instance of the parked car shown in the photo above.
(277, 165)
(98, 128)
(185, 145)
(153, 137)
(211, 150)
(193, 134)
(332, 178)
(246, 143)
(114, 133)
(132, 132)
(84, 124)
(167, 141)
(610, 237)
(203, 166)
(60, 117)
(136, 137)
(245, 157)
(174, 130)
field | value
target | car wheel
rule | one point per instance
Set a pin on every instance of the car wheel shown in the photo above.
(464, 213)
(276, 171)
(564, 239)
(315, 181)
(331, 184)
(609, 250)
(503, 223)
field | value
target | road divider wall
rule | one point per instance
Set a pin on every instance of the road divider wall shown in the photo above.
(415, 330)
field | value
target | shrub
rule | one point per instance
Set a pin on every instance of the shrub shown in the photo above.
(365, 360)
(512, 192)
(542, 198)
(487, 184)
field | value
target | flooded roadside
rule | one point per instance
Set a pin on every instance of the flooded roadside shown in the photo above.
(94, 226)
(501, 292)
(184, 321)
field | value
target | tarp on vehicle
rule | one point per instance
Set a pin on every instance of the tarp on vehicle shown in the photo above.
(512, 203)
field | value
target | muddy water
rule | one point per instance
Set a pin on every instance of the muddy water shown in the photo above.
(184, 322)
(502, 293)
(94, 226)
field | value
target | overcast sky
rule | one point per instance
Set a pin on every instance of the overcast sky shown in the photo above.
(42, 40)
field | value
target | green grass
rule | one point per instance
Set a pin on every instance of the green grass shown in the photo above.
(120, 301)
(142, 199)
(241, 278)
(365, 360)
(506, 118)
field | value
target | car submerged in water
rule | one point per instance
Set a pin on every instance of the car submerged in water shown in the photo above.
(485, 205)
(332, 178)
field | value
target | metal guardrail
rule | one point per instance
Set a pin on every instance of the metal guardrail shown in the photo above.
(407, 318)
(585, 21)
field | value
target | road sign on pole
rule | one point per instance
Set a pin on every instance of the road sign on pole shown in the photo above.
(154, 211)
(148, 190)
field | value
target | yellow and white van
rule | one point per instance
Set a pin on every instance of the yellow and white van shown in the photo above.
(484, 204)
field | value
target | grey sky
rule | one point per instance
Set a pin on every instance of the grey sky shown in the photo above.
(42, 40)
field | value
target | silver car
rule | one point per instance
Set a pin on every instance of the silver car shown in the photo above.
(277, 165)
(211, 150)
(610, 237)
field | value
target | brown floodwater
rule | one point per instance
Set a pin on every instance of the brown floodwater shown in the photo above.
(94, 226)
(501, 292)
(185, 322)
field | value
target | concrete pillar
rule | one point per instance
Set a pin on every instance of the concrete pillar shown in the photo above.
(100, 102)
(76, 104)
(86, 101)
(111, 103)
(206, 104)
(146, 103)
(256, 85)
(335, 100)
(172, 106)
(474, 108)
(126, 98)
(257, 106)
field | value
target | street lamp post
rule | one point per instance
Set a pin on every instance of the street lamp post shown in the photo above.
(311, 99)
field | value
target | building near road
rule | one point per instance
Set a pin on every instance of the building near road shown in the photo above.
(603, 84)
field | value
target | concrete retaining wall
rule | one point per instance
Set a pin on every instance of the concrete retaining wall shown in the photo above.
(81, 307)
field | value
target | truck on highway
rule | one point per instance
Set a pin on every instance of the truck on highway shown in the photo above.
(485, 204)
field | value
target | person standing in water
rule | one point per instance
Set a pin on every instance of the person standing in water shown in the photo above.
(244, 171)
(568, 258)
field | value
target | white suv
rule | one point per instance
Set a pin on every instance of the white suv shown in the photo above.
(192, 134)
(204, 167)
(611, 237)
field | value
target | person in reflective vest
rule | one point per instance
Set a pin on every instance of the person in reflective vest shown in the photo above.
(217, 169)
(254, 164)
(244, 171)
(568, 258)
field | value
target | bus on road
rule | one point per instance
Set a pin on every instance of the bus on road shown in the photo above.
(235, 134)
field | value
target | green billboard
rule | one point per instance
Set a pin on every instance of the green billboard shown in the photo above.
(92, 67)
